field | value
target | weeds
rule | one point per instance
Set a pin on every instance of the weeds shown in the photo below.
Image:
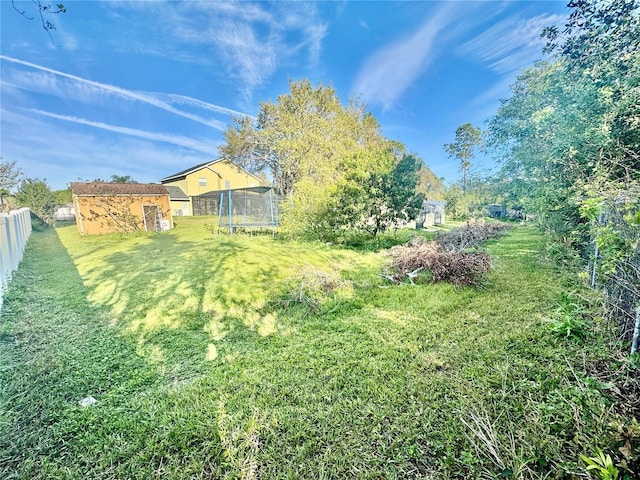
(503, 453)
(317, 290)
(568, 325)
(601, 465)
(570, 320)
(164, 331)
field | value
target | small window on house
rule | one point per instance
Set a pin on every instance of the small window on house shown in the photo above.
(202, 182)
(227, 184)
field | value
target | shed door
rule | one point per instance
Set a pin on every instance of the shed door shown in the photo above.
(152, 217)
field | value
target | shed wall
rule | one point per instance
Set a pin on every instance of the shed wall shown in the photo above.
(96, 215)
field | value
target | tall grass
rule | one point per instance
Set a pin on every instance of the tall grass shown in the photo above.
(200, 371)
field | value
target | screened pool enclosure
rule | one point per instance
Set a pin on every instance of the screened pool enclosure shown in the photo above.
(251, 207)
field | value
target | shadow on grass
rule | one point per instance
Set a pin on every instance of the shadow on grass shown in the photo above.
(56, 349)
(59, 346)
(189, 303)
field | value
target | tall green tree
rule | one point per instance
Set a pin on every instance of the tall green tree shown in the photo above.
(305, 134)
(115, 179)
(36, 194)
(308, 143)
(9, 177)
(63, 196)
(122, 179)
(430, 185)
(468, 138)
(379, 197)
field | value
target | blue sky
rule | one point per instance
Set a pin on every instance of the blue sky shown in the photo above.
(146, 88)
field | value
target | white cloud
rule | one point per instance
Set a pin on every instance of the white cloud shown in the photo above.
(252, 39)
(506, 48)
(78, 88)
(194, 102)
(60, 154)
(178, 140)
(510, 44)
(390, 71)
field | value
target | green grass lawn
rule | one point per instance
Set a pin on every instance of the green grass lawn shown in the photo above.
(200, 368)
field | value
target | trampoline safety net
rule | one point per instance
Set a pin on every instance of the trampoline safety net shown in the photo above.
(251, 207)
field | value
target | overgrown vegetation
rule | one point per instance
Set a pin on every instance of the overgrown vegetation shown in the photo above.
(200, 371)
(568, 140)
(332, 162)
(36, 194)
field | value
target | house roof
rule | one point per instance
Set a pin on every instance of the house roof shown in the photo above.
(176, 193)
(195, 168)
(259, 189)
(117, 189)
(184, 173)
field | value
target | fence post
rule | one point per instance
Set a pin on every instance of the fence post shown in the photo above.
(636, 332)
(4, 253)
(596, 253)
(15, 228)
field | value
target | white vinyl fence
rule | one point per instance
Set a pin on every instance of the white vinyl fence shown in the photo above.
(15, 228)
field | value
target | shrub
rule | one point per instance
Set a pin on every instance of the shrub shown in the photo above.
(316, 290)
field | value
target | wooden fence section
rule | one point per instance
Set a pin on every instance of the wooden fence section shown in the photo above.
(15, 228)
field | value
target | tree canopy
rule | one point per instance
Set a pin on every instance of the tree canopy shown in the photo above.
(10, 176)
(331, 160)
(304, 134)
(36, 194)
(468, 138)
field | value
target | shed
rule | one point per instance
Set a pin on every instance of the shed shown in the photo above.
(432, 213)
(497, 211)
(120, 207)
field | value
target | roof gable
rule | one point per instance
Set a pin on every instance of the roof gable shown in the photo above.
(176, 193)
(184, 173)
(116, 189)
(195, 168)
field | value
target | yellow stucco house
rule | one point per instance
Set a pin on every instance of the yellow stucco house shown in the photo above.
(207, 177)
